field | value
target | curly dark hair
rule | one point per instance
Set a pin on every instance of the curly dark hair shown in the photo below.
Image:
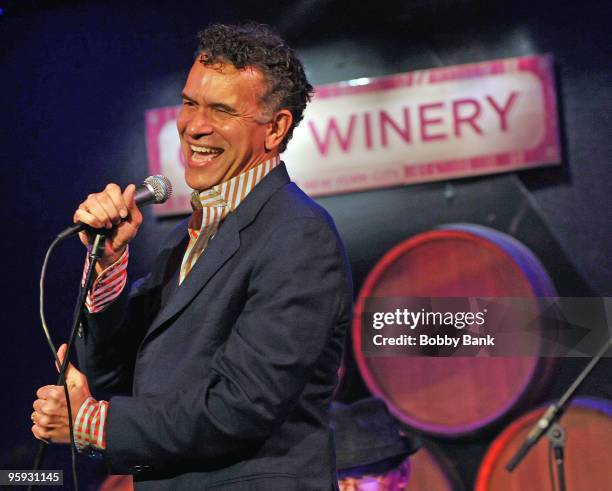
(256, 45)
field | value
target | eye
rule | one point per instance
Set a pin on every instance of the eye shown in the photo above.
(223, 110)
(188, 103)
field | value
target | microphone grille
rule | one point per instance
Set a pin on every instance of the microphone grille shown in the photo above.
(162, 187)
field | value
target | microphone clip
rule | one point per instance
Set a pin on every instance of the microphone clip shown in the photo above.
(96, 248)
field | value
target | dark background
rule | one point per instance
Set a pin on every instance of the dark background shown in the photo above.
(77, 77)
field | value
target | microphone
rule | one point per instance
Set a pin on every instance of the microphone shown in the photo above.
(155, 189)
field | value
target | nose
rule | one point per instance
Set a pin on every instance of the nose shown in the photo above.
(198, 124)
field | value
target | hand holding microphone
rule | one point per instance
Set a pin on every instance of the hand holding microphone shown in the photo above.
(117, 210)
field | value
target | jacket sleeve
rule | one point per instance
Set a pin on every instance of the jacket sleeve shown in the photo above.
(109, 339)
(297, 295)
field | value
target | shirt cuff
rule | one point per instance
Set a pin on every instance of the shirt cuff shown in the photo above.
(108, 285)
(90, 425)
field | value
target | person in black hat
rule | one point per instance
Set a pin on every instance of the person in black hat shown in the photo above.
(371, 452)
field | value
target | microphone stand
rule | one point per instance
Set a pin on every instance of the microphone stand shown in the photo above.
(547, 424)
(557, 436)
(95, 254)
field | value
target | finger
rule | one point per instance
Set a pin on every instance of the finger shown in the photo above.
(49, 422)
(61, 352)
(44, 407)
(92, 206)
(43, 392)
(85, 216)
(104, 208)
(121, 205)
(38, 405)
(112, 202)
(83, 237)
(40, 434)
(49, 408)
(54, 393)
(134, 213)
(128, 196)
(73, 376)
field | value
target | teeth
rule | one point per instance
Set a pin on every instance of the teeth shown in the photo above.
(203, 149)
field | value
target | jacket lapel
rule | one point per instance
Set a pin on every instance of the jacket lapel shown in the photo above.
(221, 248)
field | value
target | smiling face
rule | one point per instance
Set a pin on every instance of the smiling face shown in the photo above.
(223, 127)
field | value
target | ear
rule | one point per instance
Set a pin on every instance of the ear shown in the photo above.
(278, 129)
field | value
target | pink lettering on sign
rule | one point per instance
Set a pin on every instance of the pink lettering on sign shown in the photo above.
(503, 110)
(409, 172)
(426, 120)
(368, 130)
(319, 184)
(463, 115)
(386, 174)
(330, 131)
(386, 120)
(352, 179)
(470, 118)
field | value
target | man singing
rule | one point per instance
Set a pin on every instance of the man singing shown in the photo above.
(229, 348)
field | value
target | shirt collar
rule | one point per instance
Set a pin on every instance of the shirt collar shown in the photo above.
(231, 193)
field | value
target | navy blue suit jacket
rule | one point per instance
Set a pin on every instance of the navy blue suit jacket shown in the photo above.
(230, 373)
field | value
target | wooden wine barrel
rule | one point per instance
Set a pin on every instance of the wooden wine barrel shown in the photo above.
(588, 465)
(455, 396)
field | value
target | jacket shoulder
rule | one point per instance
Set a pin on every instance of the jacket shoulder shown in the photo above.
(290, 202)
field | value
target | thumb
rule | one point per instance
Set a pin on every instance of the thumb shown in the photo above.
(73, 377)
(128, 197)
(61, 354)
(129, 194)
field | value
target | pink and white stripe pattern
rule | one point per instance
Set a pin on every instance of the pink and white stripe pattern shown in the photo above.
(90, 425)
(108, 285)
(213, 205)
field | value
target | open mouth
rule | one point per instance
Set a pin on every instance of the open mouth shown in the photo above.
(204, 154)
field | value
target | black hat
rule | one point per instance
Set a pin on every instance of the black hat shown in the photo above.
(367, 436)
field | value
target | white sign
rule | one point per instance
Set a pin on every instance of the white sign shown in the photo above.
(419, 126)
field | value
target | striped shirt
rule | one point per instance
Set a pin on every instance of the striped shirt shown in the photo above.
(211, 207)
(108, 285)
(90, 425)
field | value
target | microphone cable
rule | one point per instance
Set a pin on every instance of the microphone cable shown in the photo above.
(62, 378)
(155, 189)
